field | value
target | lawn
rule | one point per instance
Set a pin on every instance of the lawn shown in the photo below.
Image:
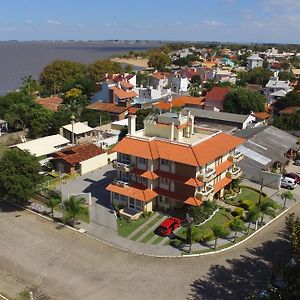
(125, 227)
(248, 193)
(204, 232)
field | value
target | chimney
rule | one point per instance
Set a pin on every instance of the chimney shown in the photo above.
(172, 132)
(131, 124)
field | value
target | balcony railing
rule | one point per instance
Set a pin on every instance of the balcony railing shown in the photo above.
(121, 183)
(205, 193)
(122, 166)
(236, 156)
(235, 173)
(206, 175)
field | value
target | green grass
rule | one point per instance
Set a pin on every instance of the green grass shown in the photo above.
(126, 227)
(248, 194)
(2, 149)
(158, 240)
(148, 237)
(156, 219)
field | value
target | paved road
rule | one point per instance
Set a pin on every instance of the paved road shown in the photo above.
(66, 265)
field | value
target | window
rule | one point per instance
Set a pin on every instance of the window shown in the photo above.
(165, 162)
(164, 181)
(219, 160)
(135, 204)
(142, 160)
(142, 180)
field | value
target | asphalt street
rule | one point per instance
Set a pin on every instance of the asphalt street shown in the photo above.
(62, 264)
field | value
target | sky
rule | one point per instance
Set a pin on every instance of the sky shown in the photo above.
(275, 21)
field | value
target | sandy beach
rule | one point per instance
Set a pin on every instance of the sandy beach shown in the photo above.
(139, 62)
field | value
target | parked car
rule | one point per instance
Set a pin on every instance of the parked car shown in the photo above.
(168, 226)
(294, 176)
(288, 183)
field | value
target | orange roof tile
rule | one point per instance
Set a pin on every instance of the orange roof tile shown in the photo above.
(223, 166)
(184, 100)
(198, 155)
(185, 180)
(107, 107)
(221, 184)
(121, 94)
(145, 174)
(193, 201)
(51, 103)
(261, 115)
(160, 75)
(135, 191)
(133, 110)
(162, 105)
(126, 84)
(217, 93)
(76, 154)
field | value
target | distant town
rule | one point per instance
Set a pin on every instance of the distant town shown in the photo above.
(184, 150)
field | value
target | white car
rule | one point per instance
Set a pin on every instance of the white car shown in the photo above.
(289, 183)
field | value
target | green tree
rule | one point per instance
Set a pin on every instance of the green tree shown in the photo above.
(266, 207)
(218, 232)
(291, 99)
(236, 225)
(93, 117)
(259, 76)
(53, 201)
(74, 208)
(141, 114)
(61, 72)
(60, 118)
(142, 79)
(19, 175)
(288, 195)
(100, 68)
(202, 212)
(123, 133)
(243, 101)
(284, 75)
(158, 60)
(252, 216)
(128, 69)
(75, 100)
(30, 86)
(194, 89)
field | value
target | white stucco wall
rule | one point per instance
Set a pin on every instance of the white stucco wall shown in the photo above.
(93, 163)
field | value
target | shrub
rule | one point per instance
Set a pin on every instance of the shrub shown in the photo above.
(238, 212)
(247, 204)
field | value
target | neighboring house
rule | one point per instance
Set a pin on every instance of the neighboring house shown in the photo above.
(220, 75)
(203, 72)
(51, 103)
(227, 62)
(223, 118)
(116, 112)
(267, 148)
(275, 66)
(276, 89)
(77, 132)
(215, 97)
(178, 83)
(79, 159)
(151, 93)
(289, 110)
(261, 117)
(171, 163)
(254, 61)
(45, 145)
(159, 80)
(3, 127)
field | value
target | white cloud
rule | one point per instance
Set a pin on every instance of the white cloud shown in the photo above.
(211, 23)
(53, 22)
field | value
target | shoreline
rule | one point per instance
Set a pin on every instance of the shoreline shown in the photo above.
(138, 62)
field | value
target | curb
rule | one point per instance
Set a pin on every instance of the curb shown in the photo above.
(3, 297)
(161, 256)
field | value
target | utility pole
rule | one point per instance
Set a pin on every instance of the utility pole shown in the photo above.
(72, 123)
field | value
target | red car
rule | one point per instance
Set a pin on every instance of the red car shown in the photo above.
(168, 226)
(294, 176)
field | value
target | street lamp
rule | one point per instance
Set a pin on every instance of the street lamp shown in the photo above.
(72, 123)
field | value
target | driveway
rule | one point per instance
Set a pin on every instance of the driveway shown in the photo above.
(62, 264)
(94, 183)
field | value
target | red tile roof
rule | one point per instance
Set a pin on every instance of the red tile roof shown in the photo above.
(121, 94)
(145, 174)
(197, 155)
(108, 107)
(160, 75)
(126, 84)
(217, 93)
(135, 191)
(76, 154)
(51, 103)
(261, 115)
(290, 110)
(179, 102)
(162, 105)
(223, 167)
(221, 184)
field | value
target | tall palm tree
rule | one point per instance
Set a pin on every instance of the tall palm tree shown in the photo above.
(51, 203)
(218, 231)
(252, 216)
(266, 207)
(74, 207)
(194, 89)
(286, 196)
(236, 225)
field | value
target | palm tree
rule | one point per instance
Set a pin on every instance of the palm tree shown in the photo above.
(252, 216)
(266, 207)
(286, 196)
(194, 89)
(218, 231)
(74, 207)
(236, 225)
(51, 203)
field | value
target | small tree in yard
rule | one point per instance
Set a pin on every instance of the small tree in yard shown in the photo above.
(286, 196)
(236, 225)
(74, 207)
(218, 231)
(266, 207)
(53, 201)
(252, 216)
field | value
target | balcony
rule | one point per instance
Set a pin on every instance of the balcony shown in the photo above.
(206, 175)
(122, 166)
(205, 193)
(120, 183)
(235, 173)
(236, 156)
